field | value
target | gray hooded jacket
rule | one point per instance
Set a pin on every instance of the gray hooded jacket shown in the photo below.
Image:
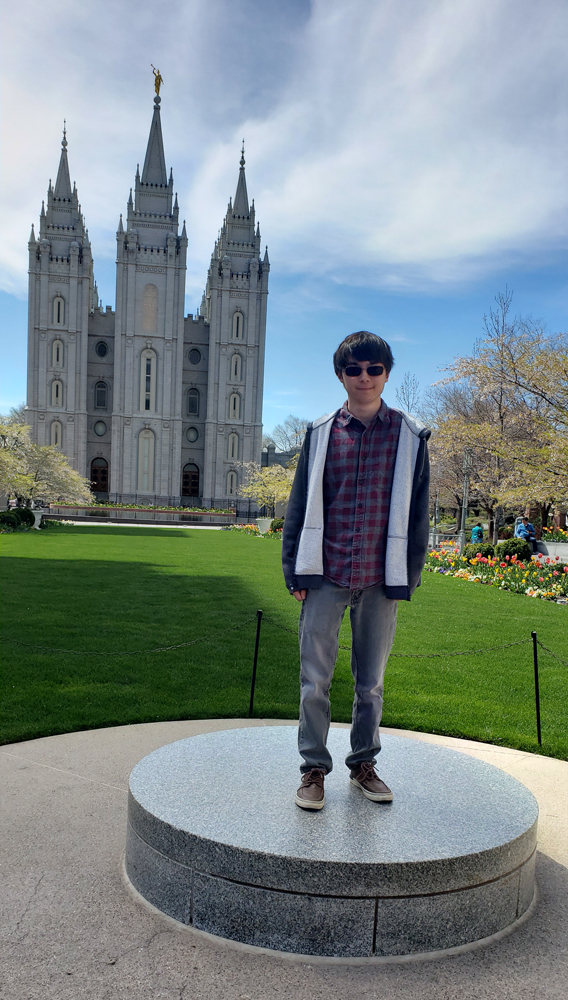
(408, 524)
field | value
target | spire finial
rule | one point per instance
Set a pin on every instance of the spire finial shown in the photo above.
(243, 154)
(64, 139)
(158, 81)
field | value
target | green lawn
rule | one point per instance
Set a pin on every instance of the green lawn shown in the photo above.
(128, 588)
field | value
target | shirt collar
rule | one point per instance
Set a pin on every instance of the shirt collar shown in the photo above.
(344, 417)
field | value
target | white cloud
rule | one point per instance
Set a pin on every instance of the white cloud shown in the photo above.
(394, 145)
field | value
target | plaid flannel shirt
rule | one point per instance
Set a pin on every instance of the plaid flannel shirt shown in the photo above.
(357, 484)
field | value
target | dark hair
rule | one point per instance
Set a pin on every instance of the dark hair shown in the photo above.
(362, 346)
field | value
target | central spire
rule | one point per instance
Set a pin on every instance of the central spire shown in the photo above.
(241, 204)
(154, 170)
(63, 182)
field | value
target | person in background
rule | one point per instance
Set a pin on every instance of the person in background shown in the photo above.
(526, 531)
(477, 533)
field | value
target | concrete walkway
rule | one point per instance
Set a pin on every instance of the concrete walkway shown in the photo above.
(71, 929)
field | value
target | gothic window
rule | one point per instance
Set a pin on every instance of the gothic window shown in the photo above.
(193, 402)
(146, 461)
(99, 475)
(190, 481)
(232, 484)
(150, 309)
(56, 434)
(58, 310)
(148, 380)
(100, 395)
(233, 448)
(57, 354)
(57, 393)
(236, 368)
(234, 406)
(238, 326)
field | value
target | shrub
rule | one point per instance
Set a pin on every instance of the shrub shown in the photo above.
(7, 520)
(474, 548)
(277, 524)
(25, 515)
(50, 523)
(516, 547)
(506, 532)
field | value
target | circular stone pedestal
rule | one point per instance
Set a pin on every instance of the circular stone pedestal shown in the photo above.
(215, 840)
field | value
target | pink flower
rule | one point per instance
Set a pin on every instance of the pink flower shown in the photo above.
(555, 572)
(548, 562)
(541, 579)
(507, 558)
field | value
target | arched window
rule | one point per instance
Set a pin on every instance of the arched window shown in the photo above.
(238, 326)
(100, 395)
(148, 380)
(56, 434)
(58, 311)
(236, 368)
(233, 447)
(232, 484)
(99, 475)
(146, 461)
(57, 393)
(193, 402)
(234, 406)
(57, 354)
(150, 309)
(190, 481)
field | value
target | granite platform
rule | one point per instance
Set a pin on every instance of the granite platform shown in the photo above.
(216, 841)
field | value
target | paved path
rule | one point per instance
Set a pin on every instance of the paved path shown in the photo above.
(71, 929)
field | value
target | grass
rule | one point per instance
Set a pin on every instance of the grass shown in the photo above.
(118, 588)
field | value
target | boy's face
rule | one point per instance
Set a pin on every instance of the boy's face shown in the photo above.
(364, 388)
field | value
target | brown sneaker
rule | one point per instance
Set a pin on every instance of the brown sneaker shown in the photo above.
(367, 779)
(310, 793)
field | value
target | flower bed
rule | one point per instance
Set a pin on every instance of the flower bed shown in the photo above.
(253, 529)
(97, 508)
(545, 578)
(554, 535)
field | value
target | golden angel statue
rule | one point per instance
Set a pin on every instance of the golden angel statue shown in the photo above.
(158, 79)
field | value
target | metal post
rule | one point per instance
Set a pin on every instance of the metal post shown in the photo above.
(253, 678)
(536, 691)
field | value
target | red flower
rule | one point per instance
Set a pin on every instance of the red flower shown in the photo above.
(541, 579)
(555, 572)
(507, 558)
(503, 565)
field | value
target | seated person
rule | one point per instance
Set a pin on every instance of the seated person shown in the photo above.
(526, 531)
(477, 533)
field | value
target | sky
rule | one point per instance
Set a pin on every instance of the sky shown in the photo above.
(407, 161)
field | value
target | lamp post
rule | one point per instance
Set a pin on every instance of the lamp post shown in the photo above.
(467, 467)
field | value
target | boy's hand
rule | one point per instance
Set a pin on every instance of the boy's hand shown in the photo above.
(300, 595)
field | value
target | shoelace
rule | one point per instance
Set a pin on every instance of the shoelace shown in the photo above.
(313, 777)
(368, 770)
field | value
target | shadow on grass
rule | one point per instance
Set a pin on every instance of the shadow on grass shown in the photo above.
(112, 607)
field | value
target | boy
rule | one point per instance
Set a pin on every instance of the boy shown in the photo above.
(355, 535)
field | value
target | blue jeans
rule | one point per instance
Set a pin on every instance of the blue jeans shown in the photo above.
(373, 624)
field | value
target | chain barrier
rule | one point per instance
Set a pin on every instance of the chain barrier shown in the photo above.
(283, 628)
(463, 652)
(132, 652)
(555, 655)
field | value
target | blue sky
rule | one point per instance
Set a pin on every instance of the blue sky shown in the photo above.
(407, 161)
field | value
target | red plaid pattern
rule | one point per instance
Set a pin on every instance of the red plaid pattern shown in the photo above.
(357, 484)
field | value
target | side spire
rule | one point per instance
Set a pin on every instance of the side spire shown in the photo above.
(63, 182)
(241, 204)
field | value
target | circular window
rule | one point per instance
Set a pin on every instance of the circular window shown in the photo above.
(101, 349)
(194, 356)
(192, 434)
(100, 428)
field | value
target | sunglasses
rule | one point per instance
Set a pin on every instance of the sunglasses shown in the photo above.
(352, 371)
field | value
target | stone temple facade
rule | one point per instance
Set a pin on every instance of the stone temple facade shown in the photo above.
(150, 405)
